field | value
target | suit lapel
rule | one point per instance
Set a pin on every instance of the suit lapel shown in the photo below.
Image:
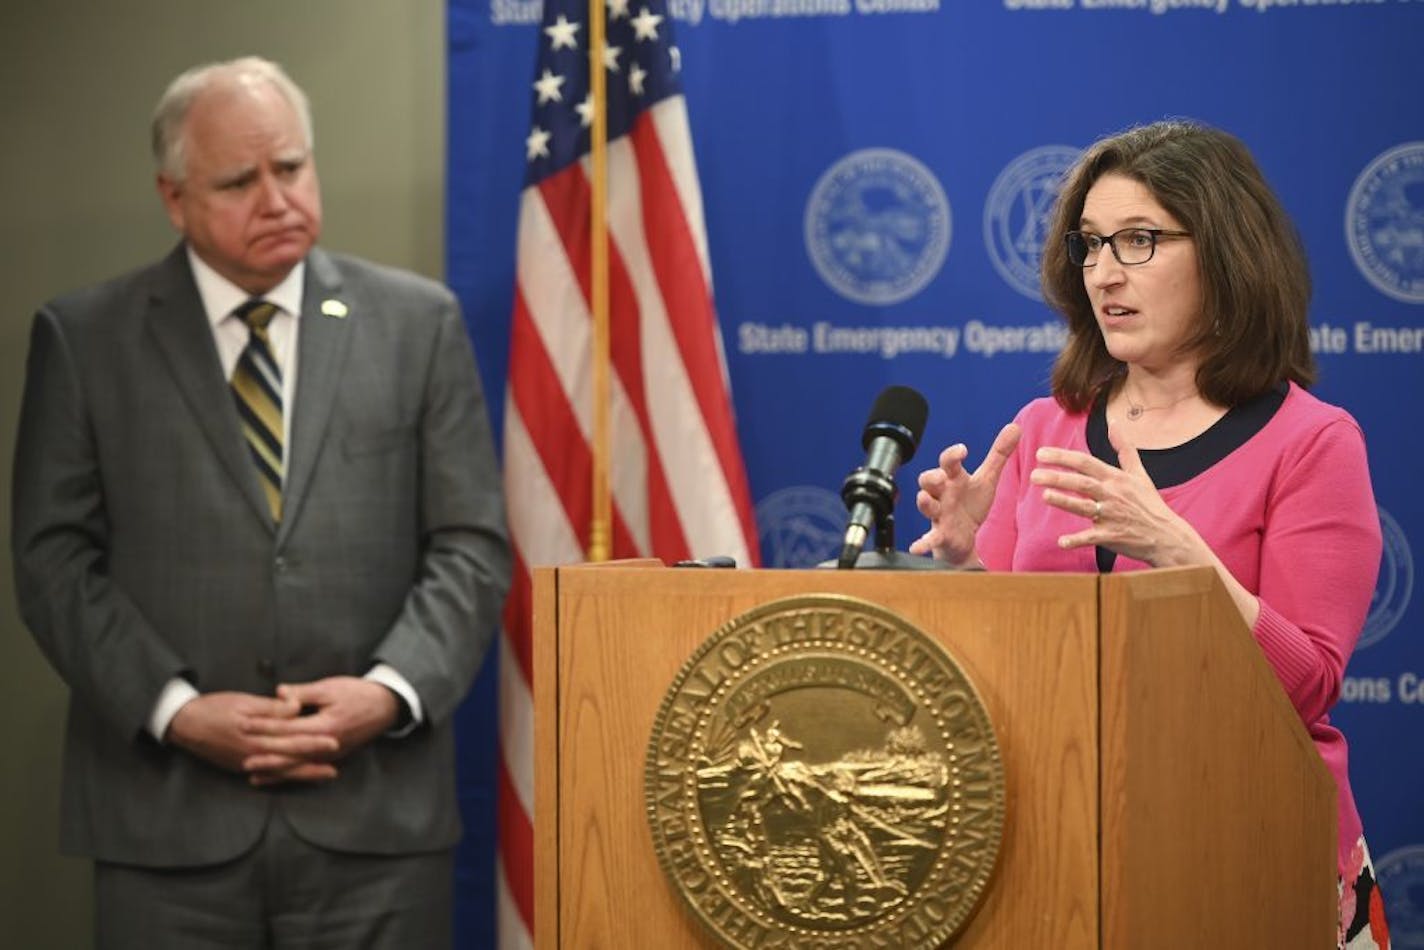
(323, 339)
(183, 336)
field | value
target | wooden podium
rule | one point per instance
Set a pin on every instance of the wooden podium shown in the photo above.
(1161, 791)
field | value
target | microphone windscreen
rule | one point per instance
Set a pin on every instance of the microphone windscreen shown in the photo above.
(899, 413)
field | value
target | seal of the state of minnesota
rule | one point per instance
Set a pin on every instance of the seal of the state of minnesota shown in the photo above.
(822, 774)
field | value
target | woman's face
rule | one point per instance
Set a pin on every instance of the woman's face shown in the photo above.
(1147, 311)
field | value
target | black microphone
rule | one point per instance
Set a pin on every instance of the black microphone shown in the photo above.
(892, 433)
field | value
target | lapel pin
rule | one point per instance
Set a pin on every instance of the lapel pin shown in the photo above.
(334, 308)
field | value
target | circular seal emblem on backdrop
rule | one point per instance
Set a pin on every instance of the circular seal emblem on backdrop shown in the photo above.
(877, 226)
(822, 773)
(1016, 214)
(1400, 875)
(1384, 222)
(800, 526)
(1395, 587)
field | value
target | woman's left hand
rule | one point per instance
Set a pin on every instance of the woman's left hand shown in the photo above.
(1124, 510)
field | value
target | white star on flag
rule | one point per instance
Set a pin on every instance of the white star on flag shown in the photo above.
(537, 144)
(617, 8)
(585, 111)
(610, 57)
(645, 24)
(562, 32)
(675, 55)
(636, 75)
(548, 88)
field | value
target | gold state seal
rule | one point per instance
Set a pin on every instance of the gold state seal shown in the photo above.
(822, 774)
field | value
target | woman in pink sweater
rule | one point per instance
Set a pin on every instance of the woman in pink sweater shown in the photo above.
(1179, 431)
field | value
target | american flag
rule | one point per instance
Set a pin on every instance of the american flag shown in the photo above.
(678, 485)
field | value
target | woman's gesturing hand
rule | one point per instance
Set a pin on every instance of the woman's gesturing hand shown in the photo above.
(957, 502)
(1125, 511)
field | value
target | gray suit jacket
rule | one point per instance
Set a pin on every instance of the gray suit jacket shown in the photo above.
(143, 550)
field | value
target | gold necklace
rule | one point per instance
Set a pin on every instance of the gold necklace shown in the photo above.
(1135, 410)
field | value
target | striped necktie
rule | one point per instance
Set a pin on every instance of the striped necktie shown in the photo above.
(257, 390)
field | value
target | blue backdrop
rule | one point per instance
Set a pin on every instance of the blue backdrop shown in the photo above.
(875, 174)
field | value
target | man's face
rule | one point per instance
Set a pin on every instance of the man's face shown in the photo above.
(250, 205)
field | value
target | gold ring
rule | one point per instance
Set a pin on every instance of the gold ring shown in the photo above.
(1097, 511)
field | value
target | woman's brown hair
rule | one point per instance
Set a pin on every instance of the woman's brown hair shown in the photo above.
(1253, 332)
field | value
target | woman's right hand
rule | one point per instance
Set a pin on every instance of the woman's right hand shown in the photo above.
(957, 502)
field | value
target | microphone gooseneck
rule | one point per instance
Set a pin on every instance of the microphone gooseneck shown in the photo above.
(892, 434)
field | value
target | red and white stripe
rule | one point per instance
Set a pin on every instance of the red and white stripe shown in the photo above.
(678, 484)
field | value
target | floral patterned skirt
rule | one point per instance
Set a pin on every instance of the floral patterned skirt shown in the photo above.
(1362, 923)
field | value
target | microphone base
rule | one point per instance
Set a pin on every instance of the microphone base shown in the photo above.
(893, 561)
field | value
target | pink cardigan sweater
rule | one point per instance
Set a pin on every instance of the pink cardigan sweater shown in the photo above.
(1290, 513)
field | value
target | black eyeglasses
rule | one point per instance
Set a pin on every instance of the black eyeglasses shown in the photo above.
(1129, 246)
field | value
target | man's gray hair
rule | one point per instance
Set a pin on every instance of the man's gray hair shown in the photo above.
(168, 140)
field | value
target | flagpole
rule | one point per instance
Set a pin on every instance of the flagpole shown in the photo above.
(600, 530)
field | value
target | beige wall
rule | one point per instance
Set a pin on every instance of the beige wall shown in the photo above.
(78, 80)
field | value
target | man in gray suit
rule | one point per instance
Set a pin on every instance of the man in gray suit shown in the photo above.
(258, 532)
